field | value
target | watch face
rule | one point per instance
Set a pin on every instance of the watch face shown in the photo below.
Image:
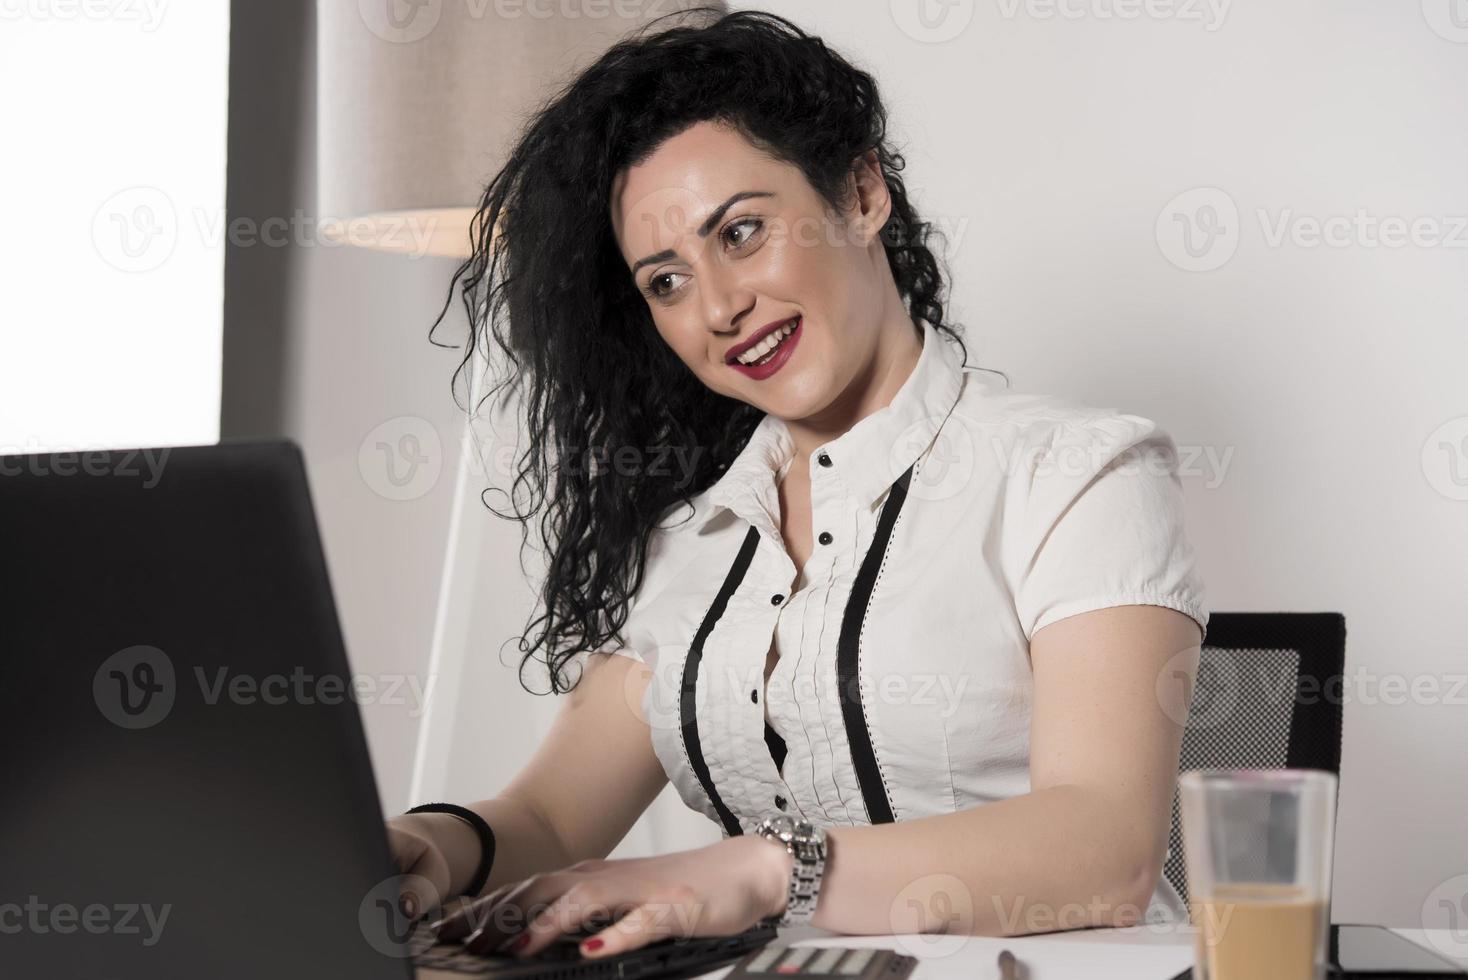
(782, 826)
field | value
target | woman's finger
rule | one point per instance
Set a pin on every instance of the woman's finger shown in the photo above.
(507, 918)
(471, 915)
(647, 923)
(588, 904)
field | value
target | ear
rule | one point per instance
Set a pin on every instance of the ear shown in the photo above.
(873, 198)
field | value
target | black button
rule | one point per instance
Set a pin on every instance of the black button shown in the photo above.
(754, 696)
(780, 802)
(776, 599)
(823, 459)
(825, 537)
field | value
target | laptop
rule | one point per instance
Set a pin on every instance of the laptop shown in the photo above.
(187, 788)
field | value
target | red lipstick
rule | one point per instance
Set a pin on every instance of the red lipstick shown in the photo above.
(777, 360)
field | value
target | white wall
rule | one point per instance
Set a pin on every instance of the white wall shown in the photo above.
(1310, 380)
(112, 252)
(1318, 376)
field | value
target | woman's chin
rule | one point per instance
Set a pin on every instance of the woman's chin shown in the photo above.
(797, 397)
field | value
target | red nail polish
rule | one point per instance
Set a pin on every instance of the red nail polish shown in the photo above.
(592, 945)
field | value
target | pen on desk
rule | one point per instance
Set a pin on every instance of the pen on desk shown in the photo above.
(1008, 966)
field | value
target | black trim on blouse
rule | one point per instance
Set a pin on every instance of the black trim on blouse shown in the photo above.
(686, 703)
(863, 755)
(777, 745)
(848, 647)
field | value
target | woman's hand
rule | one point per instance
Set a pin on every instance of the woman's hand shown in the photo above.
(718, 890)
(415, 852)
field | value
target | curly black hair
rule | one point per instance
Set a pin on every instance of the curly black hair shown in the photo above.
(595, 377)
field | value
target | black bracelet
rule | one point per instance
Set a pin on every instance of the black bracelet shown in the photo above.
(486, 840)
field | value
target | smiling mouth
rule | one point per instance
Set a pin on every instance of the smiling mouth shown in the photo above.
(769, 348)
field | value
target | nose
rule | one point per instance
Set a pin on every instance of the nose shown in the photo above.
(726, 301)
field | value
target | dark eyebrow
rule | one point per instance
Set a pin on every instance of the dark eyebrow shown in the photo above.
(703, 230)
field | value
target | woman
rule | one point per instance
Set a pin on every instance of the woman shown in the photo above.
(806, 560)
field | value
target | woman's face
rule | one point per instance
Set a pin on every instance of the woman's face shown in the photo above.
(715, 274)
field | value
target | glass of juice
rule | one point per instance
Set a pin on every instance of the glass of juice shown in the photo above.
(1258, 845)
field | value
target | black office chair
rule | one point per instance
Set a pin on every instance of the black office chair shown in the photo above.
(1268, 697)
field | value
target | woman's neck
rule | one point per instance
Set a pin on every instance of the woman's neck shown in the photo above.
(897, 353)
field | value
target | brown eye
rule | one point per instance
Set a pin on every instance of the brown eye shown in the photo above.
(652, 285)
(755, 224)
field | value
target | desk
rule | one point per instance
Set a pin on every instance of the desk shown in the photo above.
(1135, 953)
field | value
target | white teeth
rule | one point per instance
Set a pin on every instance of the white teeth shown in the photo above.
(762, 348)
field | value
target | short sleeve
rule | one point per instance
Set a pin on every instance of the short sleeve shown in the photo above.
(638, 631)
(636, 636)
(1101, 523)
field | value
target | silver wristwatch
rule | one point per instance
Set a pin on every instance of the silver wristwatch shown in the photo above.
(806, 843)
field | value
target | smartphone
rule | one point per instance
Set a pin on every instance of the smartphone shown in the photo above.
(1377, 953)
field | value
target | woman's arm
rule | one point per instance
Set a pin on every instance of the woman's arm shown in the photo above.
(580, 793)
(1086, 845)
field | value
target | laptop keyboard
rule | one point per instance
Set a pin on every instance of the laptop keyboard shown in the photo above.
(428, 952)
(654, 959)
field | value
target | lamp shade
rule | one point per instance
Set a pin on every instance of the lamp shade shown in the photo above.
(419, 102)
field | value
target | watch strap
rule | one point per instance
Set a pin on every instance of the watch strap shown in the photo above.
(806, 845)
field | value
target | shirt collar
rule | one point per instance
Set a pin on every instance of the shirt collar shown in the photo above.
(868, 458)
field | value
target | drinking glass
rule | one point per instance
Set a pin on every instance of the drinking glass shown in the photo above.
(1258, 845)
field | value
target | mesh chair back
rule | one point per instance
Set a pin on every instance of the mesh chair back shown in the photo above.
(1268, 696)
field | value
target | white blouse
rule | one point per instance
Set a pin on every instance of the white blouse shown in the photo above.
(948, 526)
